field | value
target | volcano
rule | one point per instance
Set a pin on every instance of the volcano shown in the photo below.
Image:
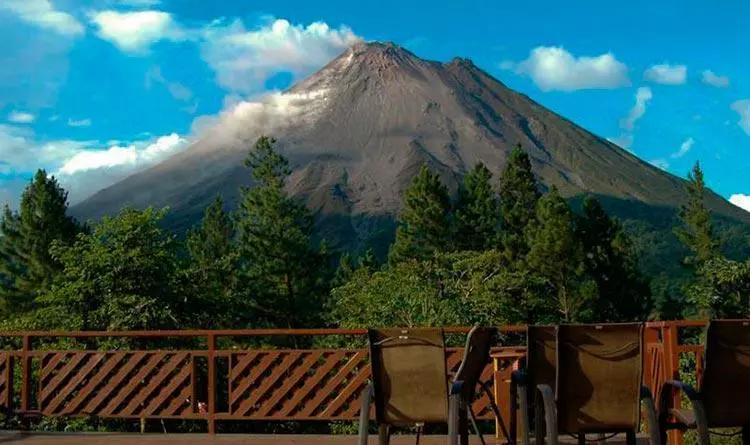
(360, 128)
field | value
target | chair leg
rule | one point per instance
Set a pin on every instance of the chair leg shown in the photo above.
(463, 425)
(546, 415)
(453, 414)
(473, 419)
(364, 416)
(523, 407)
(655, 435)
(384, 435)
(510, 436)
(582, 438)
(630, 437)
(746, 435)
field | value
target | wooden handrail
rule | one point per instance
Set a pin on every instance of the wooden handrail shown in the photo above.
(274, 384)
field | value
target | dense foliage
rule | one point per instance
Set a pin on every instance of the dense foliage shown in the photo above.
(499, 251)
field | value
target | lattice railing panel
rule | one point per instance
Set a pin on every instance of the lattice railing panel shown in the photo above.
(6, 380)
(310, 384)
(117, 384)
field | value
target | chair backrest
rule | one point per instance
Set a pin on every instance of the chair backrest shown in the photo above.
(726, 379)
(476, 356)
(541, 357)
(409, 375)
(599, 377)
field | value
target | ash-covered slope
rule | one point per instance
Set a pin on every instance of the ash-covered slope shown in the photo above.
(360, 128)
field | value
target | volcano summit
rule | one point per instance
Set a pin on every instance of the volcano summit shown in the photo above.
(359, 129)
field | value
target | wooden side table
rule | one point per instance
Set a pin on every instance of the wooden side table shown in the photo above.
(505, 360)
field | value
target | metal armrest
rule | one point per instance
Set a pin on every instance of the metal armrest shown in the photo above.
(545, 410)
(653, 424)
(666, 409)
(456, 387)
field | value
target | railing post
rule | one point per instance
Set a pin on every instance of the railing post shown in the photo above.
(26, 379)
(211, 383)
(650, 337)
(671, 338)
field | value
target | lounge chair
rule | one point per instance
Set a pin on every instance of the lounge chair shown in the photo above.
(475, 359)
(723, 397)
(598, 385)
(410, 385)
(540, 369)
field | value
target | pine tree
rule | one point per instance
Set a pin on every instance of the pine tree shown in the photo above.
(123, 275)
(425, 226)
(211, 272)
(477, 211)
(344, 271)
(285, 275)
(556, 255)
(519, 195)
(25, 261)
(696, 232)
(610, 260)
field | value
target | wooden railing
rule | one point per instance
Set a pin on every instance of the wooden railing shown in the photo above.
(280, 384)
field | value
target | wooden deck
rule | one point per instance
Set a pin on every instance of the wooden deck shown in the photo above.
(234, 439)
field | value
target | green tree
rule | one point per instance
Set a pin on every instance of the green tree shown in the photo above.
(724, 290)
(556, 255)
(696, 230)
(344, 271)
(425, 226)
(121, 276)
(477, 211)
(210, 275)
(285, 276)
(519, 194)
(457, 288)
(26, 264)
(610, 260)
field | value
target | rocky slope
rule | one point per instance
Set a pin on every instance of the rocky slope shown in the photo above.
(359, 129)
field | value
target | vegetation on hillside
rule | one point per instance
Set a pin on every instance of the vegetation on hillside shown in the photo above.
(500, 252)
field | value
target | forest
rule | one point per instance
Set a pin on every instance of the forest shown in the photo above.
(500, 252)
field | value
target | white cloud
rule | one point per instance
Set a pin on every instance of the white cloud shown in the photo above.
(43, 14)
(140, 3)
(684, 148)
(642, 97)
(624, 140)
(133, 155)
(666, 74)
(23, 152)
(712, 79)
(660, 163)
(134, 32)
(83, 167)
(244, 58)
(19, 117)
(79, 123)
(177, 90)
(554, 68)
(742, 107)
(741, 201)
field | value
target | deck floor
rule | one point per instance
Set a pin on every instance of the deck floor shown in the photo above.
(227, 439)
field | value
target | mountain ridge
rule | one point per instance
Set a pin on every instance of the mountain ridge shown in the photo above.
(358, 130)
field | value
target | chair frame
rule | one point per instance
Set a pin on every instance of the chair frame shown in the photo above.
(674, 387)
(453, 396)
(546, 412)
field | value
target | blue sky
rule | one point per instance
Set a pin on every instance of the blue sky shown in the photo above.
(95, 90)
